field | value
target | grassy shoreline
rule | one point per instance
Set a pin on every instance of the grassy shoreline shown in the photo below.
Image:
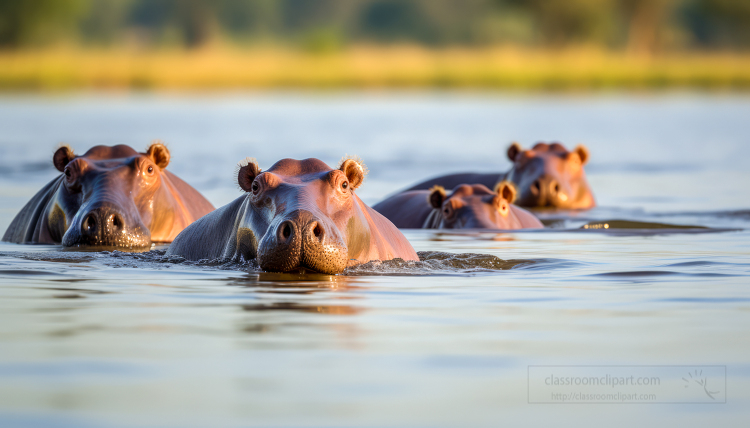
(368, 67)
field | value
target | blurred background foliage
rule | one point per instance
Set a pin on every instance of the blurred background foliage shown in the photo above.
(638, 26)
(518, 44)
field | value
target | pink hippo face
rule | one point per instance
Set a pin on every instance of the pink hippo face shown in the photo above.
(548, 175)
(477, 207)
(110, 196)
(304, 214)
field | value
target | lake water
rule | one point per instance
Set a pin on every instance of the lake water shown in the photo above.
(117, 339)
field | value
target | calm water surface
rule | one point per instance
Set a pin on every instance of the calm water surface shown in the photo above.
(117, 339)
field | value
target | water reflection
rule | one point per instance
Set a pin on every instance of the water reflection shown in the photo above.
(299, 283)
(301, 307)
(298, 293)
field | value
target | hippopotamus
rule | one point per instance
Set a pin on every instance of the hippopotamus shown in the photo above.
(546, 175)
(299, 215)
(468, 206)
(111, 196)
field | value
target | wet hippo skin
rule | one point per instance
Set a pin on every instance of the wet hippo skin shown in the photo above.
(546, 175)
(466, 207)
(110, 196)
(299, 214)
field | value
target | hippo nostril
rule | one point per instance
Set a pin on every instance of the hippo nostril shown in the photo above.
(88, 226)
(116, 222)
(285, 231)
(535, 188)
(317, 230)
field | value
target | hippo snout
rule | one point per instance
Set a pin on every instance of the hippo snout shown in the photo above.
(107, 225)
(546, 191)
(290, 230)
(301, 240)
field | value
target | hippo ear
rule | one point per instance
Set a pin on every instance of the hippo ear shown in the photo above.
(506, 190)
(158, 153)
(513, 151)
(62, 157)
(247, 170)
(355, 171)
(583, 153)
(436, 197)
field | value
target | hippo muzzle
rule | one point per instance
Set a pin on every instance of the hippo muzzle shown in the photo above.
(546, 191)
(106, 224)
(550, 176)
(302, 240)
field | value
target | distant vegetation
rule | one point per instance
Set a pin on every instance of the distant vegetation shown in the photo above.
(549, 44)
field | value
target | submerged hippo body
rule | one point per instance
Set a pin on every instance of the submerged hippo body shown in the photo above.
(546, 175)
(109, 196)
(466, 207)
(297, 215)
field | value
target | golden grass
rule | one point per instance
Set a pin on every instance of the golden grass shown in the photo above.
(368, 67)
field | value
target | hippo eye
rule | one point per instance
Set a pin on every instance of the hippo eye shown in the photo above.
(345, 185)
(150, 169)
(255, 187)
(67, 173)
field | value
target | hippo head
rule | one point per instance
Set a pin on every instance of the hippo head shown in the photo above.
(302, 214)
(475, 207)
(550, 176)
(111, 196)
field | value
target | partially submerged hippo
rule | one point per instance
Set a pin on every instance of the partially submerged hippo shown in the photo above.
(300, 214)
(546, 176)
(109, 196)
(467, 207)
